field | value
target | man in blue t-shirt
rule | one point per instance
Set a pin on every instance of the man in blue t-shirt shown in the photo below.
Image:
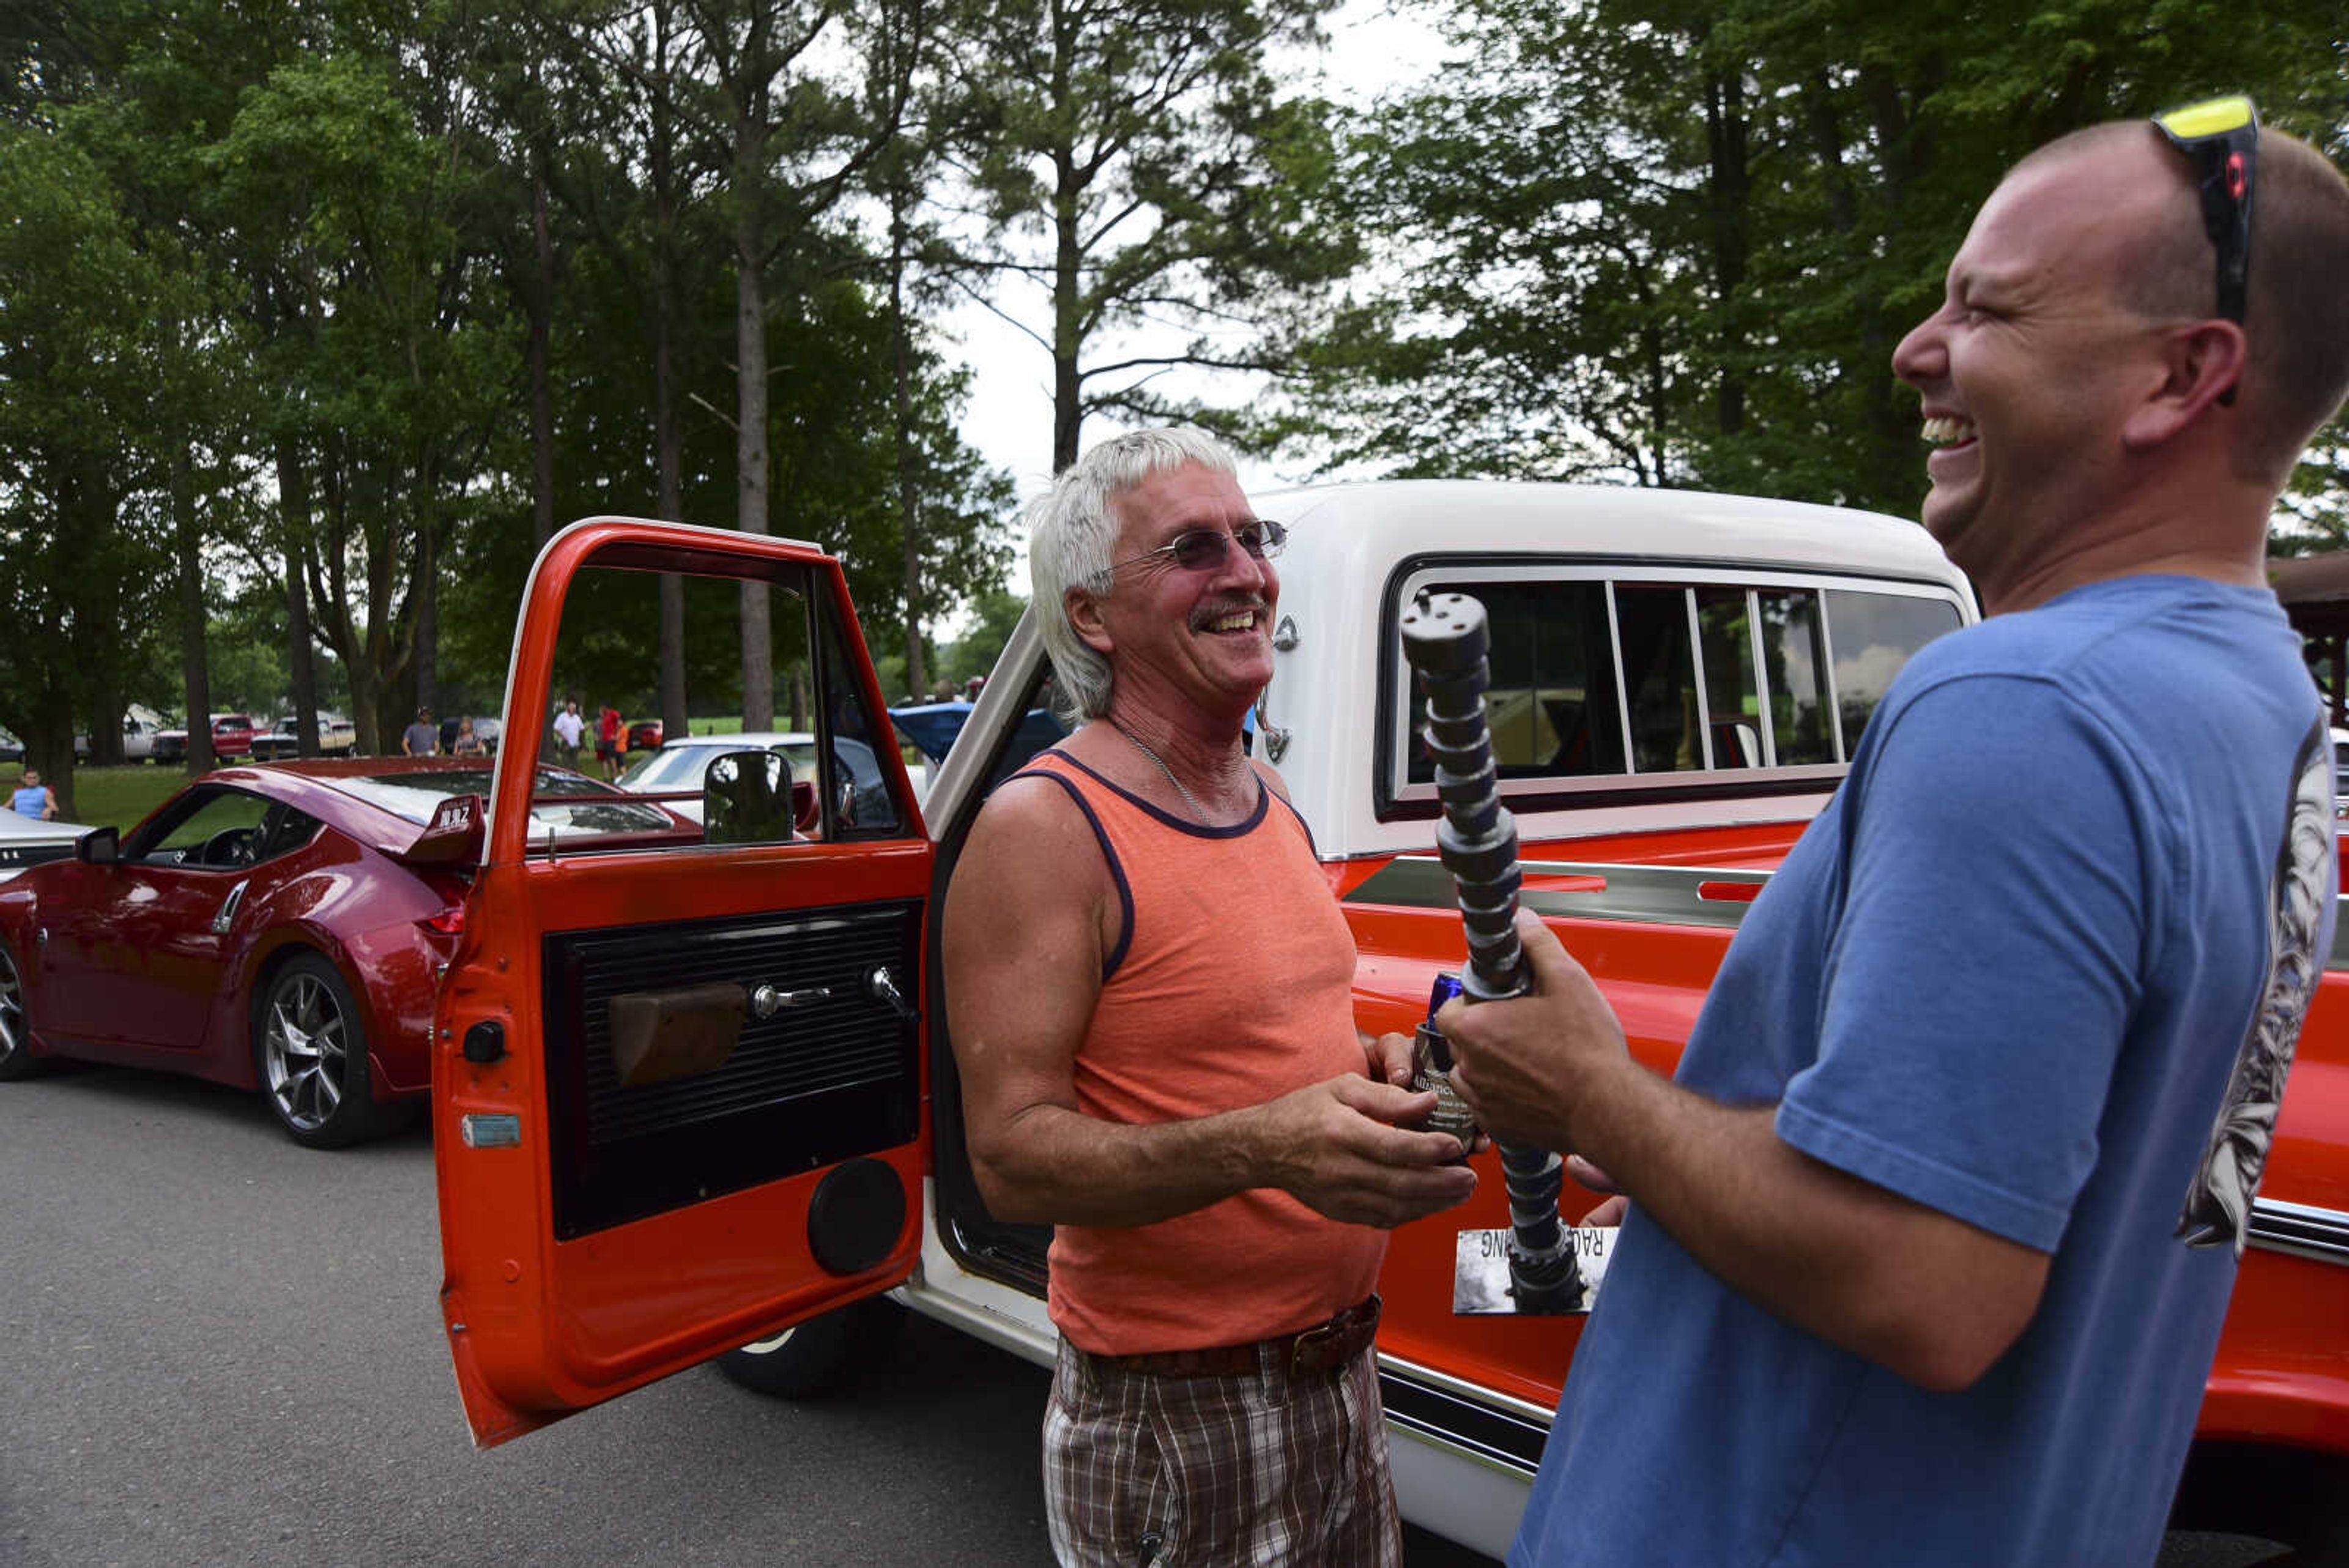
(1929, 1243)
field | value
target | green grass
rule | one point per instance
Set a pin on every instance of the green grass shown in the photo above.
(111, 797)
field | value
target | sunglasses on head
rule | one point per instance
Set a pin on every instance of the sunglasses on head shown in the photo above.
(1204, 549)
(2221, 139)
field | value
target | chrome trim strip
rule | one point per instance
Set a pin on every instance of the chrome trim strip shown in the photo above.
(1448, 1383)
(2338, 958)
(1663, 895)
(1439, 1408)
(2301, 1230)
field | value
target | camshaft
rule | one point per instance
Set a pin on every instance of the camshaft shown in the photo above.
(1444, 637)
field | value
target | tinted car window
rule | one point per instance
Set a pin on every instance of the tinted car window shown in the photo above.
(1552, 704)
(1794, 661)
(1733, 703)
(215, 828)
(1716, 676)
(1659, 677)
(1874, 635)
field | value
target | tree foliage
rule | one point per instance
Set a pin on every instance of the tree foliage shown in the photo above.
(1663, 242)
(346, 304)
(1129, 156)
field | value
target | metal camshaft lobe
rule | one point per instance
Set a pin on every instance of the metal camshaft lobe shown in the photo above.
(1446, 641)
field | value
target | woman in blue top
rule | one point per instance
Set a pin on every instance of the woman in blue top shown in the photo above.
(33, 798)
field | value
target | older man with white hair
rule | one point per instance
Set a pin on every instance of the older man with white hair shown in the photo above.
(1150, 989)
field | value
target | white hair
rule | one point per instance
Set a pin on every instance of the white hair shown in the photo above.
(1071, 534)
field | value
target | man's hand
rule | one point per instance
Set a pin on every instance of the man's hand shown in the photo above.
(1336, 1147)
(1519, 1062)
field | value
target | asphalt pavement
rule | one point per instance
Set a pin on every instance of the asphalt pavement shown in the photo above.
(225, 1349)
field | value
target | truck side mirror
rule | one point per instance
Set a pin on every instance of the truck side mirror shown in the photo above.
(746, 798)
(99, 847)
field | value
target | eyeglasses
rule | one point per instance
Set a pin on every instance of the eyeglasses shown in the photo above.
(1205, 549)
(2221, 139)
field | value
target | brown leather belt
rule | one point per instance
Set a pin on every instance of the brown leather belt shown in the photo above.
(1321, 1351)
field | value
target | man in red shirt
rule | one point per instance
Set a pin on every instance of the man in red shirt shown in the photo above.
(607, 741)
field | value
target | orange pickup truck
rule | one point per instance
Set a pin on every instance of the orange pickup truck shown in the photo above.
(695, 1099)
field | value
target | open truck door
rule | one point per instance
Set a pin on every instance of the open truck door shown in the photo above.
(677, 1078)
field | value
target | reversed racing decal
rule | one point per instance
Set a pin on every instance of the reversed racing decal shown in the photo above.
(2218, 1203)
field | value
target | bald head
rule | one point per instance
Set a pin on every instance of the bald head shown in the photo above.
(2296, 314)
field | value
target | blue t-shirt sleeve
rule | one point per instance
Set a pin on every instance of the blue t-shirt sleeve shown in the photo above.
(1985, 964)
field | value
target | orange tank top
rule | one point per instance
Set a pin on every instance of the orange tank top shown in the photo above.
(1232, 985)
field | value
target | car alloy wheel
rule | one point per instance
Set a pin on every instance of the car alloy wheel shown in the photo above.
(305, 1047)
(312, 1051)
(15, 1045)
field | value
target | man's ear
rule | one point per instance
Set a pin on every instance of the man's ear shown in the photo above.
(1085, 620)
(2200, 364)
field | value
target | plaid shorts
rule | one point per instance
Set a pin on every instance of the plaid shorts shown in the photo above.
(1210, 1472)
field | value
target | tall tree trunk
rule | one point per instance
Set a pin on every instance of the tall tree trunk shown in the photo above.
(106, 723)
(1068, 278)
(293, 514)
(1067, 338)
(751, 430)
(425, 661)
(669, 441)
(542, 353)
(1728, 196)
(909, 519)
(188, 547)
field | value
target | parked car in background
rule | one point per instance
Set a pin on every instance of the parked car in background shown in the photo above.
(140, 726)
(678, 768)
(25, 842)
(336, 736)
(643, 735)
(12, 750)
(232, 737)
(279, 928)
(931, 728)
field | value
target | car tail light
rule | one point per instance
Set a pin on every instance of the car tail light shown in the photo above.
(448, 922)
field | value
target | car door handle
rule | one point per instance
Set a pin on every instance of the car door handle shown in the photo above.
(881, 985)
(769, 999)
(227, 915)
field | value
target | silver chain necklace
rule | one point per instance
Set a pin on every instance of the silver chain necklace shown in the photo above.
(1197, 810)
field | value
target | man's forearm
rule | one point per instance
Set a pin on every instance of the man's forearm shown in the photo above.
(1927, 1295)
(1060, 1166)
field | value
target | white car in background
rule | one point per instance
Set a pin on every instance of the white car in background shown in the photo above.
(680, 766)
(28, 841)
(140, 726)
(336, 736)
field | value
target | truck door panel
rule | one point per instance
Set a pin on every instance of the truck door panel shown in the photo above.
(677, 1084)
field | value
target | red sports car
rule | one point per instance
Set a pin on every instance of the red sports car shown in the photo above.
(280, 928)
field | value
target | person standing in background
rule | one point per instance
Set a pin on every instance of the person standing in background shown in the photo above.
(568, 728)
(420, 739)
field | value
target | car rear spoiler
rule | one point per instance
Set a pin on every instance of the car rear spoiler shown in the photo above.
(455, 835)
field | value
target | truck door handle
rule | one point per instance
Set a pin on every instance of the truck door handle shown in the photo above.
(881, 986)
(769, 999)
